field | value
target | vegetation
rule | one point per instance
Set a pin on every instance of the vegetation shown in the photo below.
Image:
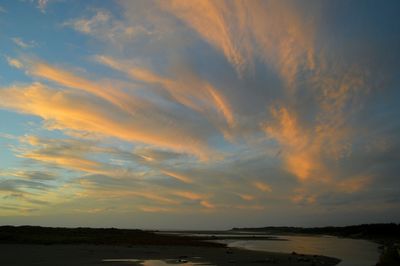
(388, 231)
(98, 236)
(390, 256)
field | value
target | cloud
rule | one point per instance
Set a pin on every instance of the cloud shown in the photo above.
(301, 157)
(262, 186)
(18, 209)
(76, 155)
(14, 62)
(243, 30)
(19, 42)
(30, 175)
(152, 154)
(178, 176)
(189, 195)
(187, 89)
(102, 25)
(246, 197)
(218, 108)
(16, 185)
(155, 209)
(79, 112)
(354, 184)
(42, 4)
(211, 21)
(8, 136)
(64, 153)
(86, 26)
(206, 204)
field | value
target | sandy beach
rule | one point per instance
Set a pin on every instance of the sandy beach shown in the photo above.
(46, 255)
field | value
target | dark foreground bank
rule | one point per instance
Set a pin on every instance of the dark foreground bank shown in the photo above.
(90, 255)
(43, 246)
(96, 236)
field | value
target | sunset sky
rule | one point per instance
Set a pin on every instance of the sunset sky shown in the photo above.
(199, 114)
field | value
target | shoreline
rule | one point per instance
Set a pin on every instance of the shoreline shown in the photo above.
(47, 246)
(89, 254)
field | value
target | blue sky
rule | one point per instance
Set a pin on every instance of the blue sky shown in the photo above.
(199, 114)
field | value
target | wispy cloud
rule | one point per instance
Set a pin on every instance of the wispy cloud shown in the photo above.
(23, 44)
(42, 4)
(14, 62)
(206, 108)
(262, 186)
(102, 117)
(243, 30)
(102, 25)
(178, 176)
(187, 89)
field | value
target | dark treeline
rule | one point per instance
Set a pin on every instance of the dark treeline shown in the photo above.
(372, 231)
(98, 236)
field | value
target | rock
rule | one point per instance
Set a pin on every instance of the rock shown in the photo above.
(228, 251)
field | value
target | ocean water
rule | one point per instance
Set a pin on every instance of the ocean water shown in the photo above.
(352, 252)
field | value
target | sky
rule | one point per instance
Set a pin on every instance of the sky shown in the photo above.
(199, 114)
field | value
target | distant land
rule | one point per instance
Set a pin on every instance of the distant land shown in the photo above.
(385, 232)
(381, 231)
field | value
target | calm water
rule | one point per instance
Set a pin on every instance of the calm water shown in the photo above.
(156, 262)
(352, 252)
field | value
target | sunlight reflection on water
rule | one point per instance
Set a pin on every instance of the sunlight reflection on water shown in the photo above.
(352, 252)
(157, 262)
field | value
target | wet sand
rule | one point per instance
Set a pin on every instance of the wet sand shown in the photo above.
(84, 254)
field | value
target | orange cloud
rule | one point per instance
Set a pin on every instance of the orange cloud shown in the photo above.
(79, 164)
(304, 199)
(246, 197)
(189, 195)
(14, 62)
(155, 209)
(95, 191)
(70, 111)
(178, 176)
(241, 30)
(222, 105)
(354, 184)
(104, 90)
(262, 186)
(207, 204)
(155, 197)
(301, 148)
(188, 89)
(213, 20)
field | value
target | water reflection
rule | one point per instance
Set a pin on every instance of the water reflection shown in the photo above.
(352, 252)
(167, 262)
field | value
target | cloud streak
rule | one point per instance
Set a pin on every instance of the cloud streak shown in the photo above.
(243, 30)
